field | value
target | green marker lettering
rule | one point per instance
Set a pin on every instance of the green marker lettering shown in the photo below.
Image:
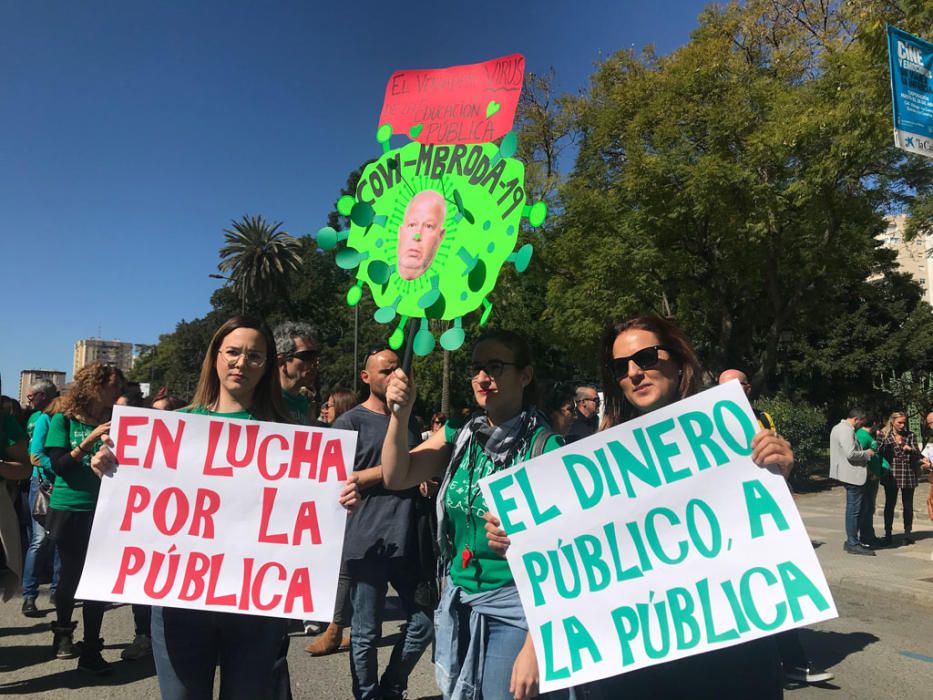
(759, 503)
(698, 427)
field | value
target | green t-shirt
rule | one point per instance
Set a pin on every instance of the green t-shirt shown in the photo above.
(77, 488)
(877, 464)
(298, 407)
(201, 411)
(486, 570)
(31, 423)
(11, 431)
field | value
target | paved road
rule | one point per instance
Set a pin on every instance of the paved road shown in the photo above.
(880, 647)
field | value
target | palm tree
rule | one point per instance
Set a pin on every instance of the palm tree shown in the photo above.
(257, 256)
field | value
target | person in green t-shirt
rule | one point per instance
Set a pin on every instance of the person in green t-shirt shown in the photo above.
(14, 465)
(298, 354)
(239, 379)
(74, 434)
(507, 430)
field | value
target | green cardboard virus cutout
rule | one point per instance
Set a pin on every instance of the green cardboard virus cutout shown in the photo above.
(430, 228)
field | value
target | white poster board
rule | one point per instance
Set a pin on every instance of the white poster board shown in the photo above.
(213, 513)
(655, 540)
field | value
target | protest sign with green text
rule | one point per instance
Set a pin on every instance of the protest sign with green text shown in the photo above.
(656, 540)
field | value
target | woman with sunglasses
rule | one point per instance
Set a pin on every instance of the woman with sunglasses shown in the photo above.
(647, 363)
(496, 656)
(239, 379)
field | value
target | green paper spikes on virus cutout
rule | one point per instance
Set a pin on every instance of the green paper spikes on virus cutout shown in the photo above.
(430, 228)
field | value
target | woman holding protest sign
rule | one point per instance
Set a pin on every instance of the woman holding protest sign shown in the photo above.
(648, 363)
(74, 435)
(492, 652)
(237, 380)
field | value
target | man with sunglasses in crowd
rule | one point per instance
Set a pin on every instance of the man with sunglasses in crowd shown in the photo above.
(380, 546)
(298, 353)
(586, 422)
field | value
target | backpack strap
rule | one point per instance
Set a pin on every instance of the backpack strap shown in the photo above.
(538, 443)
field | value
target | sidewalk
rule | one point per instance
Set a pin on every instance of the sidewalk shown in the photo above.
(902, 571)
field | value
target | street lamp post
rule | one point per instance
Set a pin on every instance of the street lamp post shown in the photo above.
(242, 291)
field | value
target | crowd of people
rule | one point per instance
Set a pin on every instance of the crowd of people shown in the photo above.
(417, 518)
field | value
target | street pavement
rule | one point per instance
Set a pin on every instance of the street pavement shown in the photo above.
(880, 647)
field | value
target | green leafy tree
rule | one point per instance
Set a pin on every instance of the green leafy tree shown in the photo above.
(738, 184)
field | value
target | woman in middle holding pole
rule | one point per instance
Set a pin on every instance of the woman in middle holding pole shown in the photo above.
(483, 649)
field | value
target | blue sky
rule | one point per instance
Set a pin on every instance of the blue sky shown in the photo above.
(132, 133)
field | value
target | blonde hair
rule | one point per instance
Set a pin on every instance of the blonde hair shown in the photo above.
(889, 426)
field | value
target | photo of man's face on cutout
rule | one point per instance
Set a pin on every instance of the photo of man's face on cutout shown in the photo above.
(420, 234)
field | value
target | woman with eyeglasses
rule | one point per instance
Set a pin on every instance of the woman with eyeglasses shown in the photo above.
(899, 446)
(74, 434)
(238, 380)
(647, 363)
(493, 651)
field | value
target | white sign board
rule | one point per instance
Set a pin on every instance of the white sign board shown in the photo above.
(655, 540)
(212, 513)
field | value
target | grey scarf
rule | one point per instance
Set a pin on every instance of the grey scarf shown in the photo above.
(501, 443)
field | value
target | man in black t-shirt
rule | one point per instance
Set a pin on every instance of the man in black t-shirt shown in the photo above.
(380, 546)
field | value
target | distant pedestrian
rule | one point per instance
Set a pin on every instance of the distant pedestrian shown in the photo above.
(848, 464)
(586, 405)
(899, 447)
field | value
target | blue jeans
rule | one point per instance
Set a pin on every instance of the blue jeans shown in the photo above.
(503, 642)
(370, 579)
(866, 526)
(188, 644)
(854, 497)
(40, 548)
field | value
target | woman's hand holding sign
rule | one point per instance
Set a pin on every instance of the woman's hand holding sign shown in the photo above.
(401, 392)
(498, 541)
(350, 494)
(103, 462)
(770, 449)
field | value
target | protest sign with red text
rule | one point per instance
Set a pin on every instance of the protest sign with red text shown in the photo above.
(213, 513)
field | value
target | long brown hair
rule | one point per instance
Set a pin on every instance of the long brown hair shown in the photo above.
(616, 408)
(267, 397)
(344, 400)
(88, 383)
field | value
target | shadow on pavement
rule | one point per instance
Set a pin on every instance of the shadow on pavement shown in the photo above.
(124, 672)
(830, 648)
(31, 629)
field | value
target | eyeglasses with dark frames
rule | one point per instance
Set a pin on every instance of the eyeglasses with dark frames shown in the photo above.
(646, 358)
(309, 356)
(493, 369)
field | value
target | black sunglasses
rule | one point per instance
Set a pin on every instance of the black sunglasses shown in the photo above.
(303, 355)
(646, 358)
